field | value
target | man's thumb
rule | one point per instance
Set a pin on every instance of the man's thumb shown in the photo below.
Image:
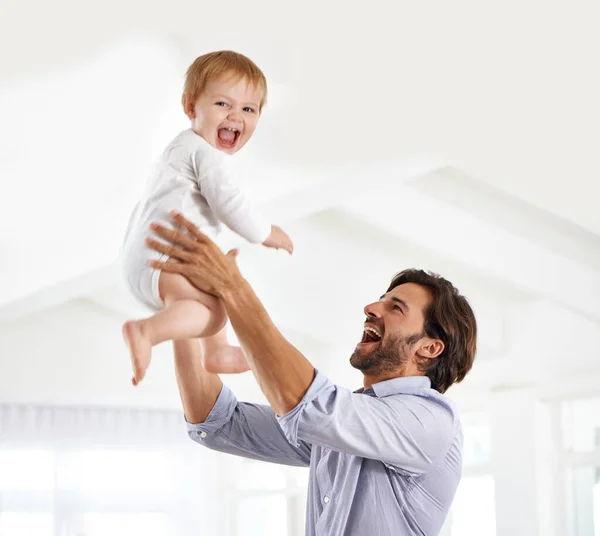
(233, 253)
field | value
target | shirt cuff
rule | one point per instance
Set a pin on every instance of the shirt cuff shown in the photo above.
(290, 422)
(261, 233)
(219, 415)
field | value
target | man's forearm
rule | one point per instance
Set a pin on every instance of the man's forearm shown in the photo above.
(198, 388)
(282, 372)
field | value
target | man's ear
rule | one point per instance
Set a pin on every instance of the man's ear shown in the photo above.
(430, 348)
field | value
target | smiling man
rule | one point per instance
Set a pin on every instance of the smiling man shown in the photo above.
(384, 460)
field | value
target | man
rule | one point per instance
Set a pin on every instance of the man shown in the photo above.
(385, 460)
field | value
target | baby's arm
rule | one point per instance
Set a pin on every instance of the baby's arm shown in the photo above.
(232, 206)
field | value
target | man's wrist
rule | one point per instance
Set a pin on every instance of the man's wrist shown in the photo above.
(233, 291)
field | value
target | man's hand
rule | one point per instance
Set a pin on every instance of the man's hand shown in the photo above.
(282, 372)
(198, 258)
(278, 239)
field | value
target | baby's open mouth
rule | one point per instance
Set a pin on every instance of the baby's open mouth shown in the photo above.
(228, 136)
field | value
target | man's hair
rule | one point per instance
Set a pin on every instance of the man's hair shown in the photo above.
(214, 65)
(450, 319)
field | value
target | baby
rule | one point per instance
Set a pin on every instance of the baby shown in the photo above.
(223, 96)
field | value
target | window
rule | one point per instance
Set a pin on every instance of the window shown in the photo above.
(121, 492)
(26, 524)
(585, 491)
(26, 483)
(104, 471)
(596, 501)
(26, 470)
(140, 524)
(473, 510)
(112, 469)
(477, 445)
(581, 441)
(252, 475)
(581, 424)
(268, 499)
(265, 515)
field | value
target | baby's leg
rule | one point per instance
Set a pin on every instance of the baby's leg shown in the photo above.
(188, 313)
(218, 356)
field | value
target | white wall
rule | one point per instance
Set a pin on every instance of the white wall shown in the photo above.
(74, 354)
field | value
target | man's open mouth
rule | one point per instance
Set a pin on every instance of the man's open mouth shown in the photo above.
(370, 335)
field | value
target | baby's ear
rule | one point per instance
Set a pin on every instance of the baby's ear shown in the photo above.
(188, 105)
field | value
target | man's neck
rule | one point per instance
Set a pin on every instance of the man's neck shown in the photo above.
(409, 369)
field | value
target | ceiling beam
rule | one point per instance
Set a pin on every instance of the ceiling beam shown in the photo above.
(346, 184)
(314, 196)
(61, 292)
(484, 245)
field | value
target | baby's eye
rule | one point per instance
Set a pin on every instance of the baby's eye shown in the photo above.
(221, 103)
(249, 109)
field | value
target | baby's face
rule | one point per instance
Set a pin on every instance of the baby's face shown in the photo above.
(226, 113)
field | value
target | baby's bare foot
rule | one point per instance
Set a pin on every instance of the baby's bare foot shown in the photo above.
(224, 359)
(140, 349)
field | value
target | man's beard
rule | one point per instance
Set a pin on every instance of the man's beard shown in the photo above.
(390, 355)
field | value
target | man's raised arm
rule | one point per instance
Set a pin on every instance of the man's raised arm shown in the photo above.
(282, 372)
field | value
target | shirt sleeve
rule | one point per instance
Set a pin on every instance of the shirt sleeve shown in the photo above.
(227, 200)
(410, 433)
(248, 430)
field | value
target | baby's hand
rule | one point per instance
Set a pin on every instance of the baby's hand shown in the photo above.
(278, 239)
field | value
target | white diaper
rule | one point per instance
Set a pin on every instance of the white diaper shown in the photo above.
(140, 279)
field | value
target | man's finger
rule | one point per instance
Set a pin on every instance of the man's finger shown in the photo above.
(190, 227)
(233, 253)
(174, 237)
(172, 267)
(169, 250)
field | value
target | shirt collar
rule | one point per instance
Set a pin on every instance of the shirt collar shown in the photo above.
(396, 386)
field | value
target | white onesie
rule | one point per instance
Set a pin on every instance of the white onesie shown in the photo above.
(195, 179)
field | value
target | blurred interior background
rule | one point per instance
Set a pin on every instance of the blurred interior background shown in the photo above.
(459, 137)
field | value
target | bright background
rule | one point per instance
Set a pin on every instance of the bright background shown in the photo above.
(459, 137)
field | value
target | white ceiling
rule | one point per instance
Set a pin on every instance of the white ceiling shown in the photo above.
(459, 137)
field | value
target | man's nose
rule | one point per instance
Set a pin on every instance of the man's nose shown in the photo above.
(373, 310)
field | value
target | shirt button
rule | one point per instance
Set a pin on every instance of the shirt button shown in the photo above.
(203, 435)
(325, 499)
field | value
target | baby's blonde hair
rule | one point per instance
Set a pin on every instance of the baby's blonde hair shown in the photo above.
(216, 64)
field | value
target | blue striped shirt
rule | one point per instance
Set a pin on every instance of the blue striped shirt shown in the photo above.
(383, 461)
